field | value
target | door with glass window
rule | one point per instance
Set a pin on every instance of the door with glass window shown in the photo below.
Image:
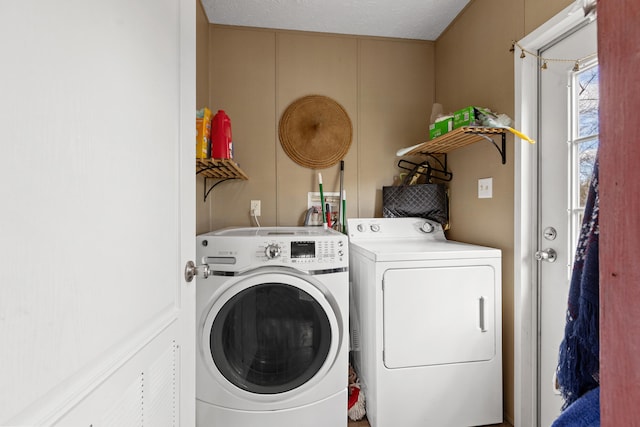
(568, 142)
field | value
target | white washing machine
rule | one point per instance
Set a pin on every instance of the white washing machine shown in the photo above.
(272, 328)
(429, 344)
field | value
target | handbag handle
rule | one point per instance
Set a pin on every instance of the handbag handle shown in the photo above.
(414, 174)
(413, 168)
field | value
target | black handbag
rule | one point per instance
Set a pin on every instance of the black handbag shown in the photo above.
(428, 201)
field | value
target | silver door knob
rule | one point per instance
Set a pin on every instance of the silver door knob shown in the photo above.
(191, 270)
(548, 255)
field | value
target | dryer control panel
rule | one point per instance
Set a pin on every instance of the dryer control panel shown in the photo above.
(394, 228)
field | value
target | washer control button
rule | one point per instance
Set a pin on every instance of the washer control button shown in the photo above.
(375, 228)
(272, 251)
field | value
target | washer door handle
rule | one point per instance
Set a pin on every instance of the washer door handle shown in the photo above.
(192, 270)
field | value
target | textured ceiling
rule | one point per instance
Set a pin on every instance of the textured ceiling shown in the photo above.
(407, 19)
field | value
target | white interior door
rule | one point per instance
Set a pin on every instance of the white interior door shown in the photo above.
(97, 219)
(567, 145)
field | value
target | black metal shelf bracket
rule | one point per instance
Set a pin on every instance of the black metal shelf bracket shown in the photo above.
(503, 151)
(219, 181)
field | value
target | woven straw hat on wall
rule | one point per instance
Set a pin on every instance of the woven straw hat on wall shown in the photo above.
(315, 132)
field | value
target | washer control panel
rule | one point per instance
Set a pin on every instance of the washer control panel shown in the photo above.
(306, 249)
(302, 251)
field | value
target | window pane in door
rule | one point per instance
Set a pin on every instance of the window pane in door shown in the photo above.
(587, 152)
(583, 140)
(588, 97)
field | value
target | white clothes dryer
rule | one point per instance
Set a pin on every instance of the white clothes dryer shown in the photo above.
(429, 316)
(272, 328)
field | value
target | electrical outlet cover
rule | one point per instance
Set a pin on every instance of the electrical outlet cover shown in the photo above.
(255, 207)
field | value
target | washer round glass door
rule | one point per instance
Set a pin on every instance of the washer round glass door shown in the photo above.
(271, 333)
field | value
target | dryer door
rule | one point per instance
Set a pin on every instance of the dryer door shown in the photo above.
(271, 333)
(438, 315)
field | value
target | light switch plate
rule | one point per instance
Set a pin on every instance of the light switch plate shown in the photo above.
(485, 188)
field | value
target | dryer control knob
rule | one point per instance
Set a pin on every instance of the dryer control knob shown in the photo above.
(375, 228)
(272, 251)
(427, 227)
(361, 228)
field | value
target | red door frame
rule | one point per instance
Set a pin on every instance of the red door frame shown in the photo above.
(619, 59)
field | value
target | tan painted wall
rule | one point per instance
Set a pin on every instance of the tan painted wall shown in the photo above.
(202, 57)
(202, 99)
(474, 67)
(385, 85)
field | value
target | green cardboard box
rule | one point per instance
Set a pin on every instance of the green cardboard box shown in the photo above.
(440, 128)
(467, 116)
